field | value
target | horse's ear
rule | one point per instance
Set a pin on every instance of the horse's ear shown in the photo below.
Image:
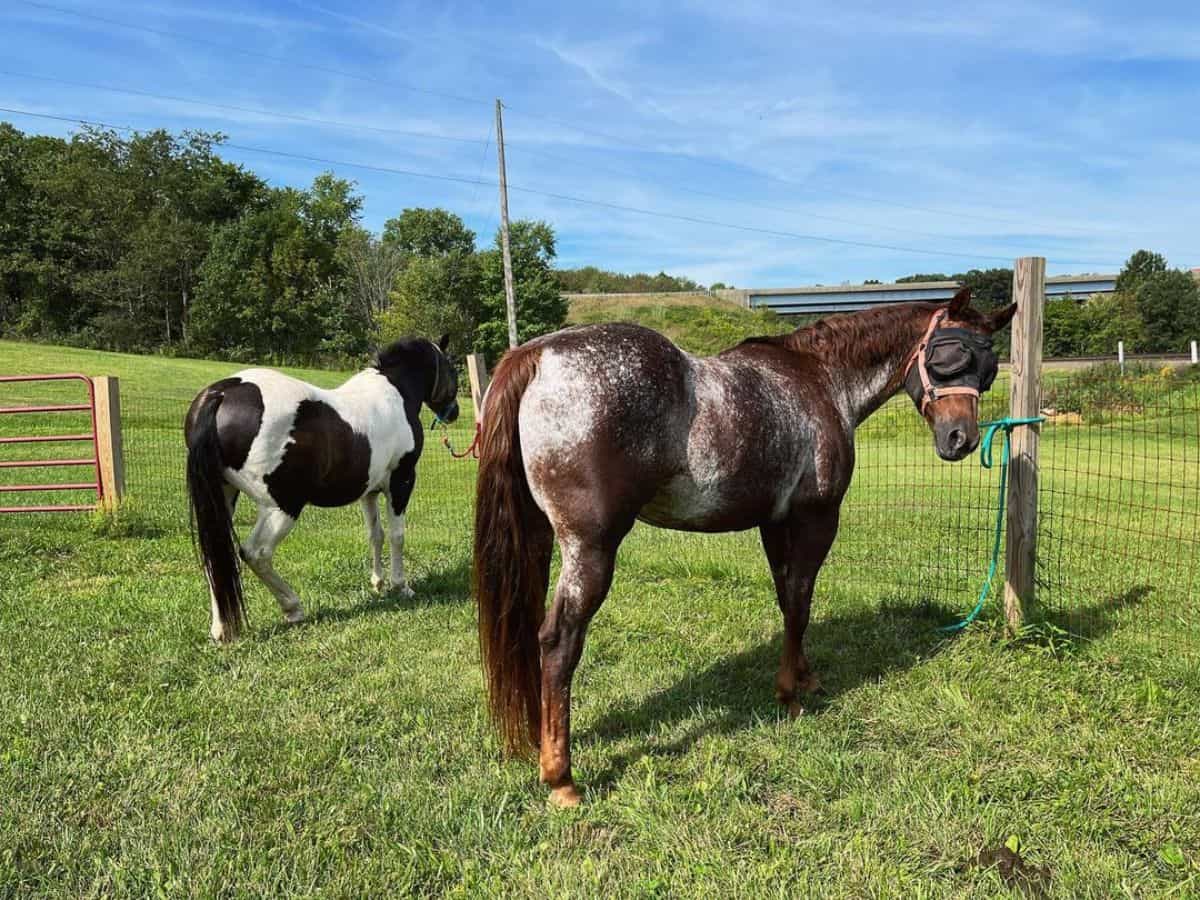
(444, 342)
(1002, 317)
(960, 301)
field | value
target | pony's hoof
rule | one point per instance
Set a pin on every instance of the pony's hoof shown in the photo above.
(403, 590)
(295, 616)
(796, 709)
(377, 583)
(565, 796)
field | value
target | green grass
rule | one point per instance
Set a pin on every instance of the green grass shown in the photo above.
(700, 323)
(351, 756)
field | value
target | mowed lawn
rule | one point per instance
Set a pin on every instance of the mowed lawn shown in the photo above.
(351, 756)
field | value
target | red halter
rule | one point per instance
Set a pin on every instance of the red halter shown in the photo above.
(929, 392)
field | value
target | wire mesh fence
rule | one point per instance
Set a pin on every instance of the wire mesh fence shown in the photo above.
(1119, 525)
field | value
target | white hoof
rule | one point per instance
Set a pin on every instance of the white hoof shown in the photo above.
(218, 633)
(377, 583)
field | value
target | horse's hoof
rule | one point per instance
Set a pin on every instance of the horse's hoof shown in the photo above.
(295, 617)
(796, 709)
(403, 590)
(377, 584)
(565, 796)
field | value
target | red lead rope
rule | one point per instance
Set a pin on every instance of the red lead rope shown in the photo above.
(472, 451)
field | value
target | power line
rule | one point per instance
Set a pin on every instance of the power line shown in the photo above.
(482, 163)
(332, 123)
(233, 48)
(353, 126)
(629, 173)
(569, 198)
(716, 163)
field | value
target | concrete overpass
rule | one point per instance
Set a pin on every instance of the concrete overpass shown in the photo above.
(802, 301)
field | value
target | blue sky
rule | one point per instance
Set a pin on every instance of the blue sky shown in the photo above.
(976, 132)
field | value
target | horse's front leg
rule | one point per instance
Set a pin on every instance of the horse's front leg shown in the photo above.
(370, 508)
(796, 549)
(400, 489)
(587, 571)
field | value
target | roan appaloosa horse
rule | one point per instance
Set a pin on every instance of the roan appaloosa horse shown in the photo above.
(589, 429)
(287, 444)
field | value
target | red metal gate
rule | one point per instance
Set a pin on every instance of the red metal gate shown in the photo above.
(92, 461)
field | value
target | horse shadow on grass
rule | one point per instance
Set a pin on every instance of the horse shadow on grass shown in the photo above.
(847, 649)
(437, 587)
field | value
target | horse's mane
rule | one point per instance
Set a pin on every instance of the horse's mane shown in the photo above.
(856, 336)
(406, 351)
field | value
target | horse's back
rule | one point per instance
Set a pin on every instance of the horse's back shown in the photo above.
(710, 444)
(292, 443)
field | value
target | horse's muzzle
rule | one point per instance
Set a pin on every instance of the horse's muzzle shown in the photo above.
(450, 413)
(953, 444)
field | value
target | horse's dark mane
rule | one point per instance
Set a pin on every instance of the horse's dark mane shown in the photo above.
(857, 337)
(404, 352)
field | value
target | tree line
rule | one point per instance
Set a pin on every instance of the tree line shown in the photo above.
(152, 243)
(591, 280)
(1154, 309)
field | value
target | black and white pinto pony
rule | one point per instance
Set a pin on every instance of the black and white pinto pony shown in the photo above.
(286, 444)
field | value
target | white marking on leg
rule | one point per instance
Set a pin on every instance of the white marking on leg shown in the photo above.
(272, 527)
(217, 629)
(396, 533)
(370, 507)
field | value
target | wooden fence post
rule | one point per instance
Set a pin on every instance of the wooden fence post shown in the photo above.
(108, 438)
(1029, 292)
(478, 373)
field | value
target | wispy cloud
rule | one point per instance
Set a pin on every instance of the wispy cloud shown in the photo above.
(997, 130)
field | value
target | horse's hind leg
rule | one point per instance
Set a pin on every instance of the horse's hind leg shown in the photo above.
(217, 627)
(587, 570)
(370, 507)
(796, 550)
(258, 551)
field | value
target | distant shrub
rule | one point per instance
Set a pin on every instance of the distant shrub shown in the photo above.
(1100, 392)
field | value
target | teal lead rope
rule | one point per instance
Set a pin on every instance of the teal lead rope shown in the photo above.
(1006, 425)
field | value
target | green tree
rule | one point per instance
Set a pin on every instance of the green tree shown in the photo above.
(274, 285)
(1168, 302)
(435, 295)
(1138, 268)
(1109, 318)
(437, 288)
(1064, 328)
(429, 232)
(541, 307)
(103, 234)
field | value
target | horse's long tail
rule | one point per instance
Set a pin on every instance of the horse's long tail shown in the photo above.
(212, 523)
(513, 544)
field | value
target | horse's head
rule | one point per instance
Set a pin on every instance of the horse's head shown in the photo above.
(952, 365)
(420, 368)
(443, 390)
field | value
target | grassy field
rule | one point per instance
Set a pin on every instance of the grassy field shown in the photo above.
(700, 322)
(351, 755)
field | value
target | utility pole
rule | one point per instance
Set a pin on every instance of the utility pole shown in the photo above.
(508, 278)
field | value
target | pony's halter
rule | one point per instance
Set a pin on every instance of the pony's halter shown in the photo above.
(960, 372)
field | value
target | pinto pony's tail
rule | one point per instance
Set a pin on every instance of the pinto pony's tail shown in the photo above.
(212, 522)
(513, 544)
